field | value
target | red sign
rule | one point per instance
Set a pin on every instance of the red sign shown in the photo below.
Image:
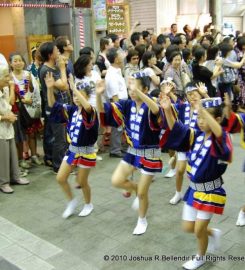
(83, 3)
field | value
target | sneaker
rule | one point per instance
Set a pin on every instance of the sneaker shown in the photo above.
(36, 160)
(21, 181)
(214, 240)
(70, 209)
(141, 226)
(6, 189)
(170, 174)
(99, 158)
(87, 209)
(195, 263)
(176, 198)
(23, 164)
(241, 219)
(136, 204)
(23, 174)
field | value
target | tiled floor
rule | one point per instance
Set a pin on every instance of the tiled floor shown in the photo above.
(35, 237)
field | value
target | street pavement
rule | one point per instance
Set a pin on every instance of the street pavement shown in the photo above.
(33, 235)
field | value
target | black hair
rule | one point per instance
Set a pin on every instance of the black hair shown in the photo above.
(173, 24)
(61, 42)
(86, 50)
(122, 45)
(146, 57)
(135, 37)
(227, 39)
(199, 53)
(112, 55)
(157, 49)
(177, 40)
(195, 32)
(185, 28)
(130, 54)
(46, 49)
(145, 34)
(216, 111)
(103, 42)
(113, 37)
(145, 82)
(174, 54)
(33, 54)
(19, 54)
(225, 48)
(208, 37)
(212, 52)
(186, 53)
(141, 49)
(161, 39)
(80, 65)
(240, 43)
(172, 48)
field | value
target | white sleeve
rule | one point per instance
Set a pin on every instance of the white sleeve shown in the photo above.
(149, 72)
(112, 87)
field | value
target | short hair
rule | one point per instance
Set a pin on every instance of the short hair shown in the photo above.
(216, 111)
(112, 55)
(141, 49)
(157, 49)
(144, 81)
(113, 37)
(225, 48)
(161, 39)
(212, 52)
(185, 28)
(130, 54)
(170, 50)
(135, 37)
(199, 53)
(103, 42)
(61, 42)
(177, 40)
(145, 34)
(173, 24)
(174, 54)
(86, 50)
(195, 32)
(46, 49)
(146, 57)
(80, 65)
(186, 53)
(208, 37)
(33, 53)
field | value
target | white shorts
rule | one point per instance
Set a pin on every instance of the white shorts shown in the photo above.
(181, 156)
(192, 214)
(141, 170)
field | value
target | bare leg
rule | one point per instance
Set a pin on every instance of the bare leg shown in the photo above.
(32, 144)
(82, 179)
(62, 177)
(181, 165)
(201, 232)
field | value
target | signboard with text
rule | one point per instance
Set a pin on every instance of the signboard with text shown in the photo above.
(100, 14)
(118, 19)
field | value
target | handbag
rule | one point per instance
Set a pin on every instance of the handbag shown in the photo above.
(24, 117)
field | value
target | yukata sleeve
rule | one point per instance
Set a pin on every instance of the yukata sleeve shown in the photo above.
(236, 122)
(221, 148)
(180, 138)
(113, 114)
(60, 113)
(90, 119)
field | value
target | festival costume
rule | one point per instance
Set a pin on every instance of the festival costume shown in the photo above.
(82, 133)
(207, 162)
(142, 131)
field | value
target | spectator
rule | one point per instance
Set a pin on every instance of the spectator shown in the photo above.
(174, 31)
(132, 65)
(137, 39)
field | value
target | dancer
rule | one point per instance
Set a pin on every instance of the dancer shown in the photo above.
(210, 151)
(82, 129)
(140, 118)
(187, 114)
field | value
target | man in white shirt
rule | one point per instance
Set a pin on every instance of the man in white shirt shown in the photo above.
(116, 89)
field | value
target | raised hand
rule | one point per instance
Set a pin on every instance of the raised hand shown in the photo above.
(100, 87)
(167, 88)
(49, 80)
(202, 89)
(165, 102)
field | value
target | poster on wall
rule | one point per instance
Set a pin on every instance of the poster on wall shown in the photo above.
(100, 15)
(118, 19)
(110, 2)
(34, 41)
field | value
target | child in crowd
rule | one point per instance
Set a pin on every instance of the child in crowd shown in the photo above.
(187, 114)
(82, 129)
(140, 118)
(210, 150)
